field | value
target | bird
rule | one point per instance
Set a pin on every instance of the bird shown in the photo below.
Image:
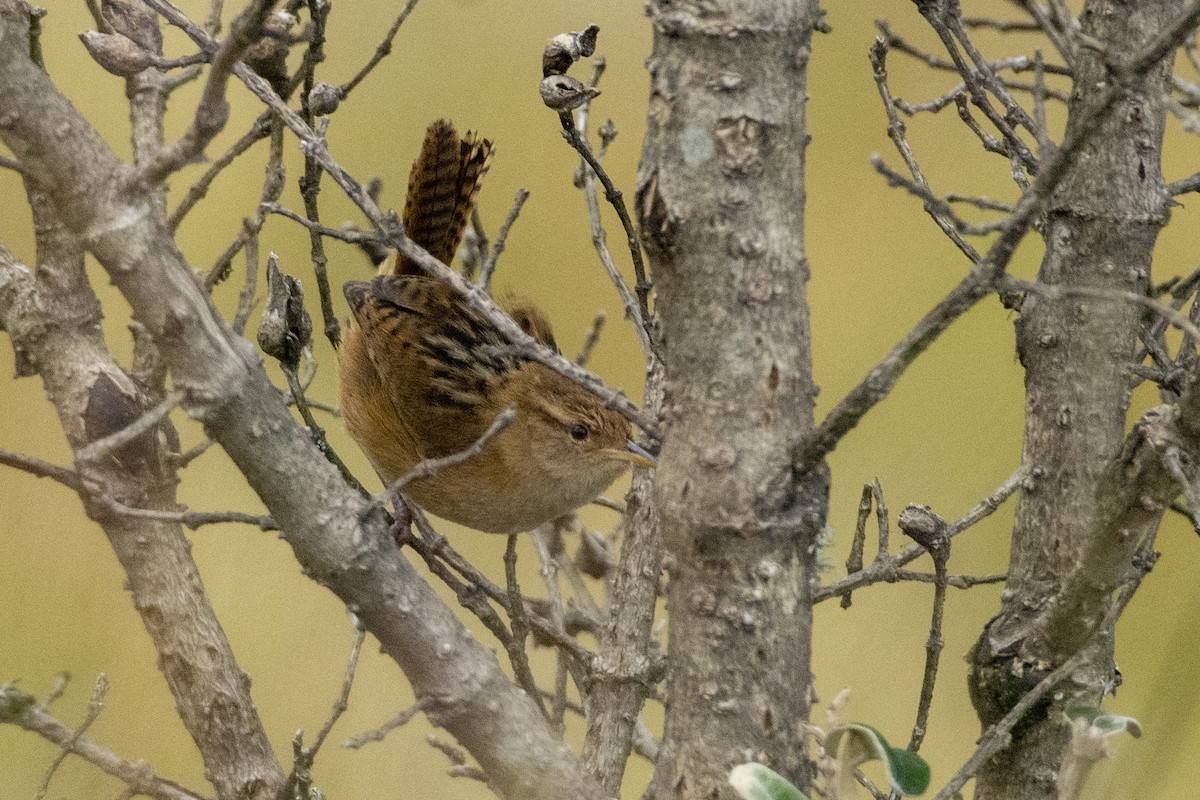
(423, 375)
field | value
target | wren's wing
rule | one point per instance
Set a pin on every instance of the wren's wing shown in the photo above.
(438, 360)
(442, 188)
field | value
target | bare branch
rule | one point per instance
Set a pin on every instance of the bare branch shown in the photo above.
(380, 733)
(314, 145)
(213, 109)
(348, 235)
(381, 52)
(489, 265)
(227, 387)
(613, 195)
(519, 622)
(306, 756)
(94, 708)
(885, 570)
(430, 467)
(589, 341)
(981, 280)
(20, 709)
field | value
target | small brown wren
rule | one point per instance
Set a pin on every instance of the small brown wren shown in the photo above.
(423, 375)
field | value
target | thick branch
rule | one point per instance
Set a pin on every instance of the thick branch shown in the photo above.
(720, 203)
(92, 395)
(225, 387)
(1098, 493)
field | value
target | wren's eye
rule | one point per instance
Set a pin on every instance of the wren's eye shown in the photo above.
(579, 431)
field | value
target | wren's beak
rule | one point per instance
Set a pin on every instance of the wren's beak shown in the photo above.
(634, 453)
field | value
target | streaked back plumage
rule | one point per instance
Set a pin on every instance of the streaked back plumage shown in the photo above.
(423, 374)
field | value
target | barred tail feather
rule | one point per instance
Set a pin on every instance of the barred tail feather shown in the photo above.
(442, 188)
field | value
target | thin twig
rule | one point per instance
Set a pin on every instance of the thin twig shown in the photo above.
(1174, 461)
(380, 733)
(589, 341)
(310, 183)
(519, 623)
(348, 235)
(458, 759)
(884, 570)
(306, 756)
(431, 467)
(489, 266)
(934, 539)
(586, 181)
(642, 286)
(61, 681)
(897, 133)
(15, 166)
(854, 560)
(381, 51)
(273, 185)
(73, 480)
(1059, 292)
(549, 572)
(43, 469)
(432, 547)
(21, 709)
(181, 460)
(248, 296)
(94, 708)
(318, 433)
(953, 581)
(438, 554)
(997, 737)
(194, 519)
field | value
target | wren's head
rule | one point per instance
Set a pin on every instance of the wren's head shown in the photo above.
(565, 436)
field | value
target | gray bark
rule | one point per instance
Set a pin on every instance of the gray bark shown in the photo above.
(1095, 496)
(337, 540)
(54, 324)
(721, 203)
(622, 676)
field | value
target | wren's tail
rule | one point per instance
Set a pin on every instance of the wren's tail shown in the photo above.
(442, 187)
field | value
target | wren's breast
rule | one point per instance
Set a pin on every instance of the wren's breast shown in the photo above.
(488, 495)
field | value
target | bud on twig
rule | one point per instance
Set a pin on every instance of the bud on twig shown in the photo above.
(286, 328)
(562, 93)
(268, 56)
(116, 53)
(323, 100)
(565, 49)
(923, 526)
(134, 21)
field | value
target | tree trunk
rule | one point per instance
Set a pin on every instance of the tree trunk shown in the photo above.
(1077, 349)
(721, 202)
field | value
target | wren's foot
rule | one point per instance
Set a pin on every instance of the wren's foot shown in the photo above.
(402, 523)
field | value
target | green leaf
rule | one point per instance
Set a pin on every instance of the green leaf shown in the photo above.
(857, 743)
(754, 781)
(1106, 724)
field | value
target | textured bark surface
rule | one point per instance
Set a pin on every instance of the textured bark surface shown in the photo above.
(1076, 528)
(623, 665)
(339, 541)
(54, 324)
(721, 202)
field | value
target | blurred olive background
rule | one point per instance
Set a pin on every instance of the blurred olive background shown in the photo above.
(949, 434)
